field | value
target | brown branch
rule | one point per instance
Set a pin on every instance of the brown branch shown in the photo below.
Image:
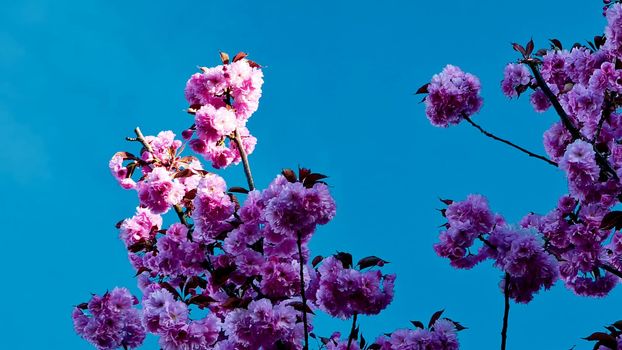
(492, 136)
(247, 168)
(611, 269)
(303, 293)
(352, 330)
(141, 138)
(576, 134)
(506, 311)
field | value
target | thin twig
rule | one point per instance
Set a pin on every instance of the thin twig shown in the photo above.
(611, 269)
(531, 154)
(247, 168)
(506, 311)
(180, 214)
(141, 138)
(303, 293)
(352, 330)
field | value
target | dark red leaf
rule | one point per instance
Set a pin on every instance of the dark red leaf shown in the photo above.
(126, 155)
(458, 325)
(519, 48)
(238, 190)
(224, 57)
(299, 306)
(171, 289)
(303, 172)
(83, 306)
(446, 201)
(289, 175)
(317, 260)
(604, 339)
(374, 346)
(201, 300)
(618, 325)
(529, 47)
(184, 173)
(253, 64)
(345, 258)
(141, 270)
(556, 44)
(371, 261)
(613, 219)
(423, 89)
(541, 52)
(418, 324)
(435, 318)
(312, 179)
(137, 247)
(239, 56)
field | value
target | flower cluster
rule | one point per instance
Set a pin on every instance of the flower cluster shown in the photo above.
(516, 79)
(110, 321)
(232, 273)
(517, 252)
(452, 96)
(222, 99)
(440, 335)
(344, 291)
(574, 241)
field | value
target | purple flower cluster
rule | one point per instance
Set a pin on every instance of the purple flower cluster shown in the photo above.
(169, 318)
(452, 96)
(467, 221)
(223, 98)
(574, 241)
(442, 335)
(110, 321)
(264, 325)
(231, 274)
(344, 291)
(516, 78)
(515, 251)
(613, 30)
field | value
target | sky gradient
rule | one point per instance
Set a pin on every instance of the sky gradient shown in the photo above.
(78, 76)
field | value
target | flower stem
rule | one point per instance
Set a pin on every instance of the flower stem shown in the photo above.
(352, 330)
(247, 168)
(506, 312)
(302, 293)
(531, 154)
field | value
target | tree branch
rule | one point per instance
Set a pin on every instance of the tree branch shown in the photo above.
(576, 134)
(247, 168)
(506, 312)
(531, 154)
(303, 293)
(352, 330)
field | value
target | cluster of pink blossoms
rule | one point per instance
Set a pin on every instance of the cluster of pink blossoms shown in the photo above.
(222, 99)
(575, 241)
(578, 241)
(110, 321)
(232, 273)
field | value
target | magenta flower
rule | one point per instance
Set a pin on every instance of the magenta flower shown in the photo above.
(452, 96)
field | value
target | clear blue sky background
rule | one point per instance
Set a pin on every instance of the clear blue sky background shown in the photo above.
(78, 76)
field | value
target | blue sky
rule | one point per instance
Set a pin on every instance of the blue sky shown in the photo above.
(78, 76)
